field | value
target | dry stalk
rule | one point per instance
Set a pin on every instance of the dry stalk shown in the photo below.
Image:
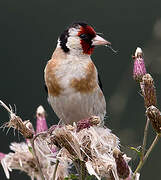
(17, 123)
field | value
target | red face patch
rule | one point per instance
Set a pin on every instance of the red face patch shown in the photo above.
(86, 34)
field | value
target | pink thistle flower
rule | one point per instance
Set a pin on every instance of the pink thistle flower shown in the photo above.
(41, 124)
(87, 123)
(2, 155)
(139, 67)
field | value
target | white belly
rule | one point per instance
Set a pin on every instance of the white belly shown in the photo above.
(76, 106)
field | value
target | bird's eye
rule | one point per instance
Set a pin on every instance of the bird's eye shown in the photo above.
(83, 36)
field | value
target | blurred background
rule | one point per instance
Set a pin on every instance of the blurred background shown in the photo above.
(28, 35)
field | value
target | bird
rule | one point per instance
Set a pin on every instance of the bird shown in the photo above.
(73, 84)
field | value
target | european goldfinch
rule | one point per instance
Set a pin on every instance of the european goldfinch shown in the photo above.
(74, 88)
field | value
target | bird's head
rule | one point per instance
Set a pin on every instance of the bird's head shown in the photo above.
(80, 37)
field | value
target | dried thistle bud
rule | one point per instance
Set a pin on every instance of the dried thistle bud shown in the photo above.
(17, 123)
(148, 90)
(87, 123)
(123, 170)
(29, 125)
(139, 67)
(41, 124)
(62, 137)
(22, 126)
(52, 128)
(155, 117)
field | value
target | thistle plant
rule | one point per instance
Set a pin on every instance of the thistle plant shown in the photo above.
(50, 154)
(152, 113)
(84, 150)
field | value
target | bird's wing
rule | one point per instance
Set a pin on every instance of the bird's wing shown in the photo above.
(45, 87)
(100, 83)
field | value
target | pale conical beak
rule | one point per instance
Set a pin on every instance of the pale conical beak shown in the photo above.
(98, 40)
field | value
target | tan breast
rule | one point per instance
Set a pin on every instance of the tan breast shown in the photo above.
(85, 83)
(52, 82)
(88, 83)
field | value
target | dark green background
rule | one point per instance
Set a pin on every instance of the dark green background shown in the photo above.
(28, 35)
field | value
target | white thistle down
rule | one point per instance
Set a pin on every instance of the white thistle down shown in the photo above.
(95, 146)
(23, 159)
(49, 154)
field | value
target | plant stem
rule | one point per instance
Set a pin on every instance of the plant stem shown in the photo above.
(75, 162)
(143, 148)
(142, 161)
(144, 139)
(82, 171)
(6, 107)
(157, 137)
(56, 167)
(34, 153)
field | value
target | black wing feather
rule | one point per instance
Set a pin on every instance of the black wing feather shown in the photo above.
(45, 87)
(99, 82)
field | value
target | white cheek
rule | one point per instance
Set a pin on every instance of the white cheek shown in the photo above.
(74, 43)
